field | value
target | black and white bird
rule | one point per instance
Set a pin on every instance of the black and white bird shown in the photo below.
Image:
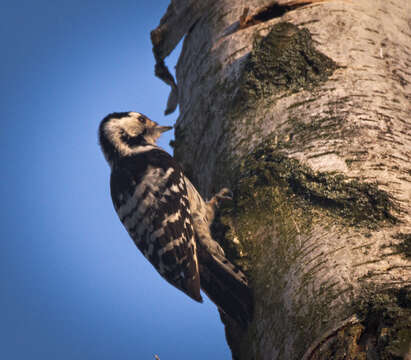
(166, 217)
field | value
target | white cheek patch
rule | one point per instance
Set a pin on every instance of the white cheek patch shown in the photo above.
(153, 136)
(131, 126)
(113, 130)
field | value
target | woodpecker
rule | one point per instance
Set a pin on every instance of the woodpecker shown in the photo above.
(166, 217)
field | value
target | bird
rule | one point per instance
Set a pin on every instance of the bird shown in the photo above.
(167, 218)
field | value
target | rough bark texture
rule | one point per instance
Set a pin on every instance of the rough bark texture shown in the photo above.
(304, 112)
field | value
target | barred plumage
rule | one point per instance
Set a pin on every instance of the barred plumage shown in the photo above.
(165, 215)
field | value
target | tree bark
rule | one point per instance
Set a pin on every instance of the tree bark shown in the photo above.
(302, 108)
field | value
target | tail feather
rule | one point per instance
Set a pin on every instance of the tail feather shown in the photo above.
(226, 286)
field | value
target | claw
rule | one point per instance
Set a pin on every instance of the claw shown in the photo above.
(223, 194)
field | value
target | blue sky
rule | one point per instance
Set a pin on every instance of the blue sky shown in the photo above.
(72, 283)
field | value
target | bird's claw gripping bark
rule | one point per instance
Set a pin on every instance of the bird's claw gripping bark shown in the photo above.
(223, 194)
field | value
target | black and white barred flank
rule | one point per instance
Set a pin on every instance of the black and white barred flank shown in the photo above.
(165, 215)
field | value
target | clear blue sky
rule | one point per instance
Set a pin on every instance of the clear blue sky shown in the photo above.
(72, 283)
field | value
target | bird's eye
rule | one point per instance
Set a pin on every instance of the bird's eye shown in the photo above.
(142, 120)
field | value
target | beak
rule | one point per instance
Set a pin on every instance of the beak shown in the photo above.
(164, 128)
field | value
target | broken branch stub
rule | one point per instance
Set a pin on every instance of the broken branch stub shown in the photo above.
(176, 22)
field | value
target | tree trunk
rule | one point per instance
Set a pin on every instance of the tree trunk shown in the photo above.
(302, 108)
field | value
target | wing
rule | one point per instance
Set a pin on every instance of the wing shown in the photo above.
(152, 203)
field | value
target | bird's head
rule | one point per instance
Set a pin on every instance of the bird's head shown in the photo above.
(127, 133)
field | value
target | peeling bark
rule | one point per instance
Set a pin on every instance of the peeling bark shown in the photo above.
(305, 115)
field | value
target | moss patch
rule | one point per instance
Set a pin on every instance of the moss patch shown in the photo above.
(283, 61)
(246, 227)
(276, 202)
(404, 247)
(386, 317)
(383, 332)
(354, 202)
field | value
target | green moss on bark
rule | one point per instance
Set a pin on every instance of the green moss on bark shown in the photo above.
(383, 331)
(386, 317)
(404, 245)
(273, 190)
(283, 62)
(277, 200)
(353, 202)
